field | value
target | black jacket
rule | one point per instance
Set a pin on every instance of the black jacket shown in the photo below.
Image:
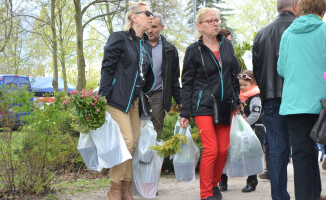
(195, 92)
(265, 55)
(170, 74)
(120, 69)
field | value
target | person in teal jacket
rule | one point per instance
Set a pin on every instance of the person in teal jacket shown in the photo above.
(302, 63)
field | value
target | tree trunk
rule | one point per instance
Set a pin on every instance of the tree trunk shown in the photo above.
(63, 53)
(81, 81)
(54, 49)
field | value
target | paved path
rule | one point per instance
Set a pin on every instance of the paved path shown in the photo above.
(171, 189)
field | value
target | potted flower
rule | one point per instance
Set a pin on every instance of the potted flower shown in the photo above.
(88, 110)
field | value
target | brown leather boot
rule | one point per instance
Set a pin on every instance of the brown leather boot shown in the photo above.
(114, 192)
(125, 191)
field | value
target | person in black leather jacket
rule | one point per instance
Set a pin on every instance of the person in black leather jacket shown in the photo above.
(167, 73)
(126, 73)
(265, 55)
(216, 54)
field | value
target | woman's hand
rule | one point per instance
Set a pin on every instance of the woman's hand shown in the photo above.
(184, 122)
(237, 111)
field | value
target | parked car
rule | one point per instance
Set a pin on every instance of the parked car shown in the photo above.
(10, 83)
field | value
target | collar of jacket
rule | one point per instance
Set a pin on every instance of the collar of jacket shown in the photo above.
(219, 37)
(132, 33)
(165, 43)
(286, 12)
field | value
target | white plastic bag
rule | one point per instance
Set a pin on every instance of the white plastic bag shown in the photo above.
(184, 163)
(147, 138)
(247, 59)
(245, 155)
(110, 145)
(146, 164)
(87, 150)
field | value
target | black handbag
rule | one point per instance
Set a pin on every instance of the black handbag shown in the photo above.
(144, 109)
(318, 132)
(222, 109)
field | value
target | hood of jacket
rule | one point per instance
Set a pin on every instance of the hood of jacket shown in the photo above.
(305, 24)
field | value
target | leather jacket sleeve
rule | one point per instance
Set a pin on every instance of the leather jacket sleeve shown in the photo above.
(175, 78)
(112, 52)
(255, 65)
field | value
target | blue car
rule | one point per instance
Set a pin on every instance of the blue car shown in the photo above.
(10, 83)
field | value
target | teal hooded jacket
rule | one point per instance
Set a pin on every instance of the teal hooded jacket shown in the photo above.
(302, 63)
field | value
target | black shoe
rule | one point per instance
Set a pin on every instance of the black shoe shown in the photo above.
(251, 186)
(211, 198)
(217, 193)
(223, 185)
(264, 175)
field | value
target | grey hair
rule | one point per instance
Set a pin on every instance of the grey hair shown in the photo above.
(281, 4)
(157, 15)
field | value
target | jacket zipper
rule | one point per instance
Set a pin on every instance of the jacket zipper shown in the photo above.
(199, 98)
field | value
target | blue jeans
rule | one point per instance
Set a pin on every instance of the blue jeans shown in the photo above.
(278, 144)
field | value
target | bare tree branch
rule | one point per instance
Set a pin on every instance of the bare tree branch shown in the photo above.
(41, 20)
(94, 2)
(85, 24)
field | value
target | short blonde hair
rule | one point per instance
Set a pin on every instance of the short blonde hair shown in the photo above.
(200, 16)
(133, 7)
(311, 7)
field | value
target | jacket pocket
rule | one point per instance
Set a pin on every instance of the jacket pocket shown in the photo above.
(199, 98)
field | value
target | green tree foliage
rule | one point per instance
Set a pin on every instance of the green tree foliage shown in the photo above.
(250, 16)
(219, 4)
(174, 21)
(6, 21)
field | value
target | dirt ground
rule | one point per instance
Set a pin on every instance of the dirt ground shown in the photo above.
(170, 189)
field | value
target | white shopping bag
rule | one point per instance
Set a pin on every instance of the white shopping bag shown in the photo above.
(184, 163)
(88, 151)
(110, 146)
(245, 155)
(146, 164)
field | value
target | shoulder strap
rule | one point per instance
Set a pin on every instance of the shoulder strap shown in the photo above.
(202, 60)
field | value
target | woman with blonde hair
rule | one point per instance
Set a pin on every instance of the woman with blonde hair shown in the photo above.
(302, 64)
(126, 73)
(209, 77)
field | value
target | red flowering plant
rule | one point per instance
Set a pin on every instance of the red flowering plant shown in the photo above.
(88, 110)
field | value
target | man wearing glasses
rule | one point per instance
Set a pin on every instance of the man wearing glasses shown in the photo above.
(167, 72)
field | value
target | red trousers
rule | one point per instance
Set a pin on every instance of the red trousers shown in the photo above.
(216, 140)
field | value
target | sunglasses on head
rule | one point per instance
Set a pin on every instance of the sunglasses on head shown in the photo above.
(147, 13)
(244, 76)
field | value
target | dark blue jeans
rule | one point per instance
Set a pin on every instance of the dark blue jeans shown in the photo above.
(278, 144)
(305, 156)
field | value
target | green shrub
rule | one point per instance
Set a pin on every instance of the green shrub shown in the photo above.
(239, 50)
(46, 146)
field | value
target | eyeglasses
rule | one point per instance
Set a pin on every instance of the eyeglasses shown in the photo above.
(211, 21)
(147, 13)
(244, 76)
